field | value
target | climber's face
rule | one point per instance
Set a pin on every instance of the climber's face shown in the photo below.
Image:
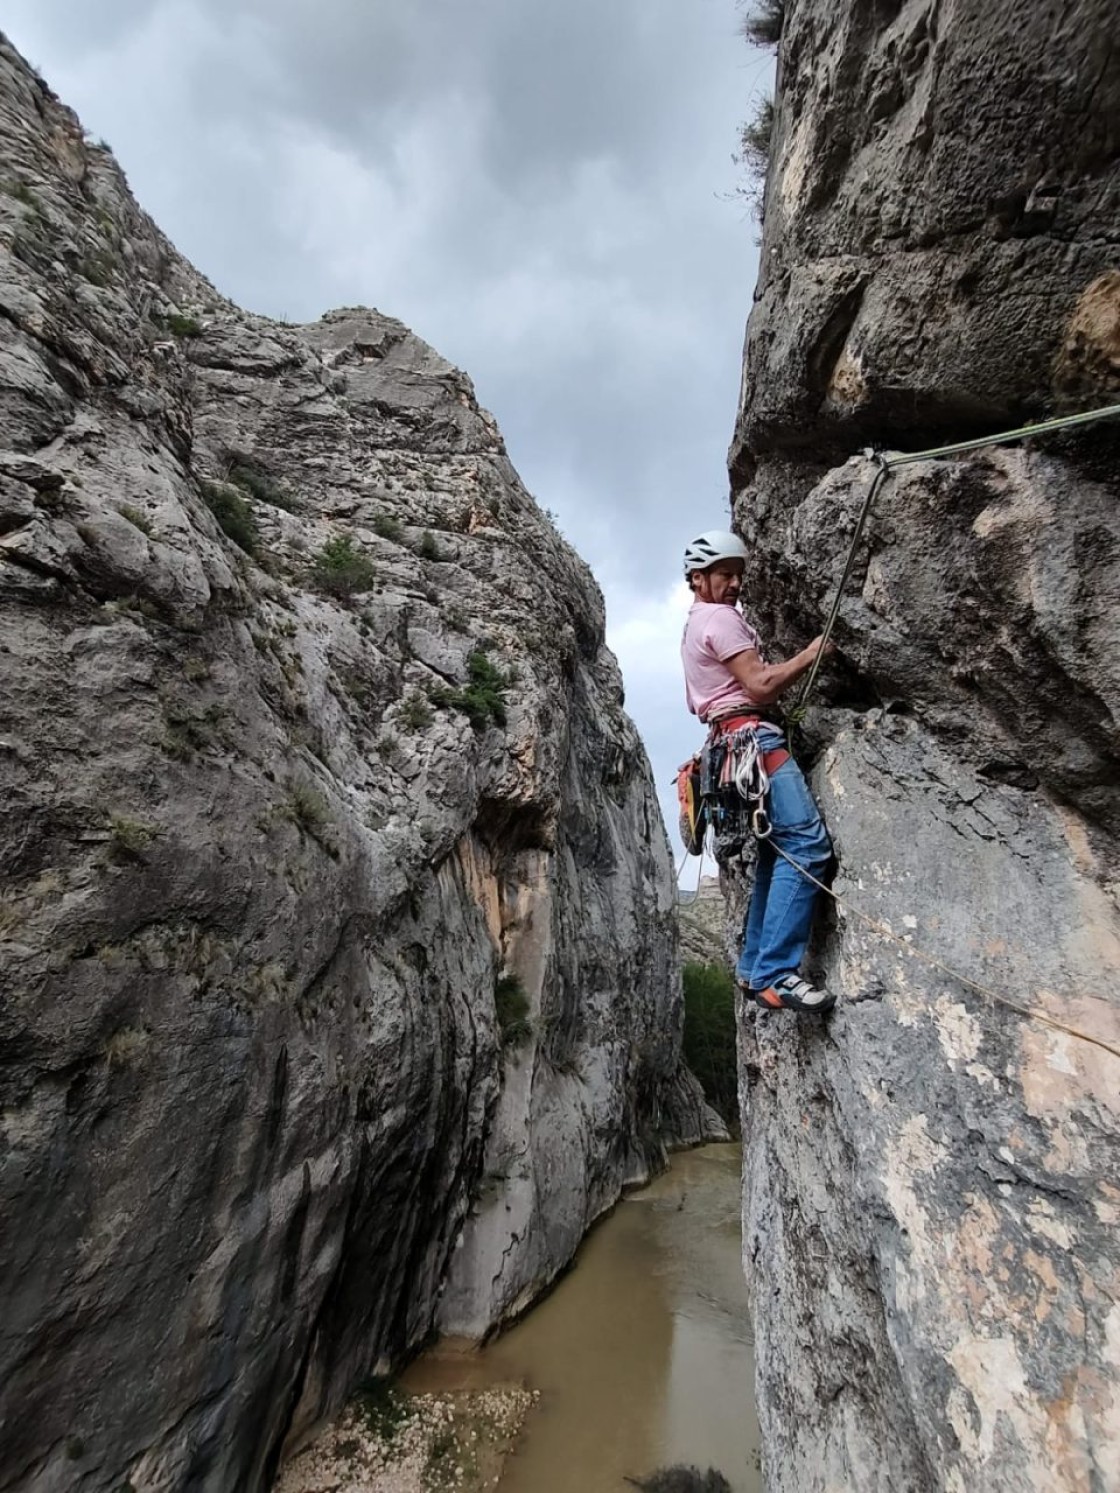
(720, 583)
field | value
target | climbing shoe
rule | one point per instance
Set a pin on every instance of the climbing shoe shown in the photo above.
(792, 993)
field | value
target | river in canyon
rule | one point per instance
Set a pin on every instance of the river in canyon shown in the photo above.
(642, 1354)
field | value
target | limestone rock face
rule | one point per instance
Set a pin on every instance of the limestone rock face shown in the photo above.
(702, 914)
(931, 1194)
(280, 831)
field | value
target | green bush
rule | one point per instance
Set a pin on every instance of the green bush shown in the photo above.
(128, 838)
(340, 568)
(309, 812)
(261, 486)
(427, 548)
(136, 518)
(182, 326)
(22, 193)
(709, 1036)
(415, 712)
(483, 698)
(307, 808)
(99, 267)
(387, 527)
(511, 1007)
(762, 24)
(754, 139)
(233, 514)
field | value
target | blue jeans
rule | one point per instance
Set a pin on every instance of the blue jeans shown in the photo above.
(776, 930)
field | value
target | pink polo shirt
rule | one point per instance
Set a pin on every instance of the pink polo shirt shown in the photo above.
(714, 632)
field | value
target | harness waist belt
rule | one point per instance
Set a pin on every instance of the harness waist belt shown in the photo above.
(771, 760)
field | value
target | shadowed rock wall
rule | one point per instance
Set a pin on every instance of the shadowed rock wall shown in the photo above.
(932, 1188)
(267, 846)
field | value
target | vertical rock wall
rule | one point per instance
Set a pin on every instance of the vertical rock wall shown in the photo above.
(932, 1191)
(275, 825)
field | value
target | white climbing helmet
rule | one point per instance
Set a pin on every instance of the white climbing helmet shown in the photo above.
(706, 549)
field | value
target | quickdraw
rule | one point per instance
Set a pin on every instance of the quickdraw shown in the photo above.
(739, 769)
(751, 778)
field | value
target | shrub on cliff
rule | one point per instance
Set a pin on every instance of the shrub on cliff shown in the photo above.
(340, 568)
(182, 326)
(260, 485)
(511, 1007)
(755, 136)
(483, 699)
(233, 514)
(709, 1036)
(762, 24)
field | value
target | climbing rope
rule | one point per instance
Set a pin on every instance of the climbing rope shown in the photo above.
(699, 872)
(1030, 1012)
(887, 462)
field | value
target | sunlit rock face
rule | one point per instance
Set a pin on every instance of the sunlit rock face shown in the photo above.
(282, 831)
(932, 1190)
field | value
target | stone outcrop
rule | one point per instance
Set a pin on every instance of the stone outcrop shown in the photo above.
(703, 924)
(337, 950)
(932, 1197)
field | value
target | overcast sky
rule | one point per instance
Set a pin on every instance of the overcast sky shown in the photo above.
(544, 192)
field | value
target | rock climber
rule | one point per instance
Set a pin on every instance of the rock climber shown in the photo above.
(730, 686)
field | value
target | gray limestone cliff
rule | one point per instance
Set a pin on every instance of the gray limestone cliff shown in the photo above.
(932, 1190)
(337, 945)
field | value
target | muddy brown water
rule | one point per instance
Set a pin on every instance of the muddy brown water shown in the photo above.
(642, 1354)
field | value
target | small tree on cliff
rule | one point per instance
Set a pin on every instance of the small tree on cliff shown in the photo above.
(755, 138)
(762, 24)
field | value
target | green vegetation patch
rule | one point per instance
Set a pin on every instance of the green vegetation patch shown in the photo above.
(511, 1007)
(483, 699)
(383, 1406)
(309, 811)
(763, 22)
(235, 517)
(341, 569)
(136, 518)
(129, 838)
(258, 484)
(182, 326)
(710, 1038)
(415, 712)
(22, 193)
(755, 137)
(387, 527)
(99, 267)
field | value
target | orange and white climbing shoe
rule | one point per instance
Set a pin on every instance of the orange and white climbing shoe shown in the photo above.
(792, 993)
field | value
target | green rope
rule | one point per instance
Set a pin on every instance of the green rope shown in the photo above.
(1044, 427)
(887, 461)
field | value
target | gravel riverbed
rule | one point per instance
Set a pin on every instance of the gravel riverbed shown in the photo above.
(390, 1441)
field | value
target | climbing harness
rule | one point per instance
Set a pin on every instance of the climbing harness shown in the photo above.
(1030, 1012)
(887, 462)
(735, 772)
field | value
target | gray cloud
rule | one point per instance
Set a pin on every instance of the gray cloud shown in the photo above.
(544, 192)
